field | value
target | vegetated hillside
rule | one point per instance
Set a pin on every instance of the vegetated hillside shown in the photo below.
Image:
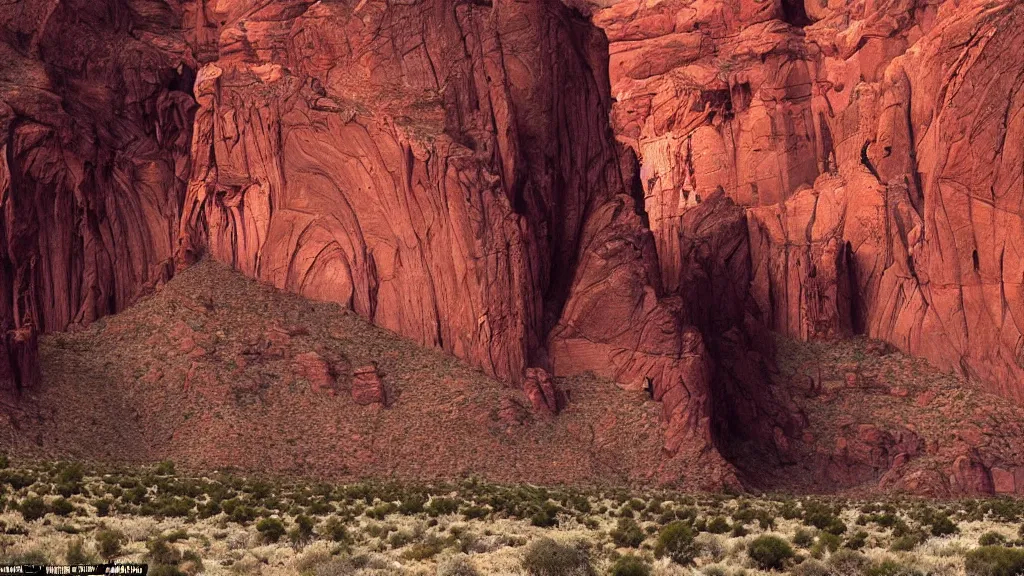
(217, 370)
(214, 370)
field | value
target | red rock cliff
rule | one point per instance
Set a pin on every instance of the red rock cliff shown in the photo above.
(448, 170)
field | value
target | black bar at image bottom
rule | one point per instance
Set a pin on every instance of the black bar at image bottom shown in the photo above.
(139, 569)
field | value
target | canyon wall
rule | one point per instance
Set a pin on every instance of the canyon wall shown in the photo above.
(96, 118)
(876, 145)
(643, 190)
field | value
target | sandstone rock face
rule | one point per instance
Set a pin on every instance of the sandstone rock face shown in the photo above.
(448, 170)
(96, 117)
(876, 143)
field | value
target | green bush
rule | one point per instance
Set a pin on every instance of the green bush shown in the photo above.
(442, 506)
(992, 539)
(165, 468)
(676, 542)
(32, 509)
(627, 534)
(271, 529)
(412, 505)
(160, 552)
(103, 506)
(718, 525)
(827, 542)
(857, 541)
(335, 530)
(943, 526)
(803, 538)
(302, 532)
(907, 542)
(428, 548)
(995, 561)
(545, 557)
(630, 565)
(108, 543)
(546, 516)
(770, 552)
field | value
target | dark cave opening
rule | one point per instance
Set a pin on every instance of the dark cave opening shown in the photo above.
(183, 80)
(794, 13)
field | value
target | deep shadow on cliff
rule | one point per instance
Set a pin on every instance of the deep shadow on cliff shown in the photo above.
(639, 194)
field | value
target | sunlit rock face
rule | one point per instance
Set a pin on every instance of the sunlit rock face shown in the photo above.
(877, 145)
(640, 189)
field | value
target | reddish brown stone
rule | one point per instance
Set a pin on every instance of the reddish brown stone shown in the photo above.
(367, 386)
(1003, 481)
(969, 476)
(315, 370)
(544, 395)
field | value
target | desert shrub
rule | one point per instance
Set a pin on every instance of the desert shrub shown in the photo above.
(76, 553)
(165, 468)
(627, 534)
(103, 506)
(334, 529)
(71, 472)
(630, 565)
(827, 542)
(302, 532)
(17, 479)
(456, 566)
(108, 543)
(475, 512)
(994, 561)
(717, 525)
(546, 516)
(770, 552)
(243, 514)
(271, 529)
(545, 557)
(428, 548)
(4, 462)
(676, 541)
(32, 508)
(907, 542)
(943, 526)
(823, 517)
(811, 567)
(857, 541)
(847, 561)
(412, 504)
(36, 556)
(442, 506)
(380, 511)
(803, 538)
(713, 571)
(738, 530)
(890, 567)
(158, 551)
(992, 539)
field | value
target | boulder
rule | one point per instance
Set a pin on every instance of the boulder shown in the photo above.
(367, 386)
(542, 391)
(314, 369)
